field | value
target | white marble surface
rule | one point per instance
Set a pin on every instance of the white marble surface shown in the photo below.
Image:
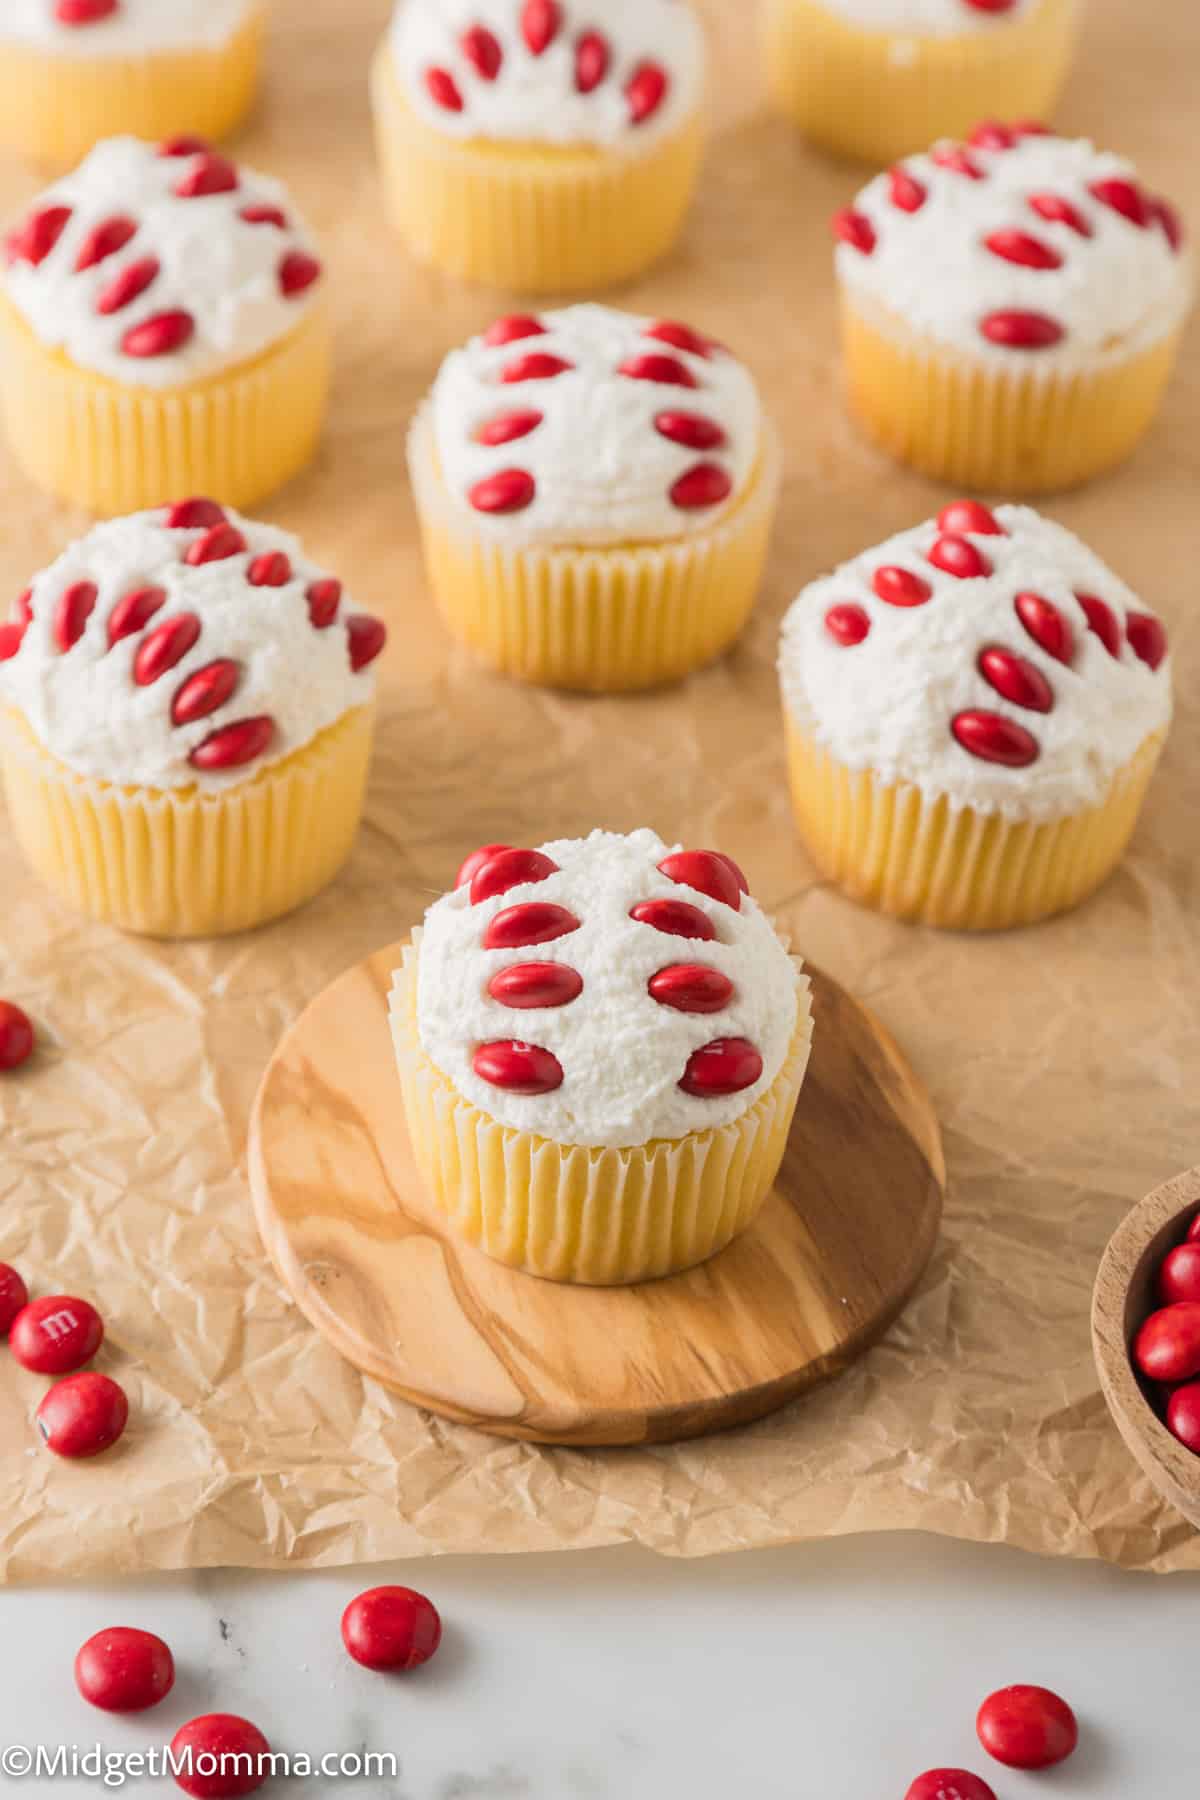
(828, 1672)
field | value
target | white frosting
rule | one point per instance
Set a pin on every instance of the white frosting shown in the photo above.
(136, 26)
(214, 264)
(622, 1053)
(84, 706)
(1115, 291)
(926, 18)
(604, 474)
(535, 99)
(887, 703)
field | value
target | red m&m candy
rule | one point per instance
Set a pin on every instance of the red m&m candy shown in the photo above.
(83, 1415)
(13, 1296)
(56, 1334)
(124, 1671)
(1027, 1727)
(391, 1628)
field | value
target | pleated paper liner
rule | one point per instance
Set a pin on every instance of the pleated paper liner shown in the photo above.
(532, 218)
(185, 863)
(881, 95)
(1033, 428)
(112, 448)
(600, 620)
(596, 1217)
(919, 858)
(54, 108)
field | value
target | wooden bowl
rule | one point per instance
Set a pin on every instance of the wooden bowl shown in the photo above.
(1123, 1298)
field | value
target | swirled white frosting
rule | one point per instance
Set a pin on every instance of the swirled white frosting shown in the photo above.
(603, 471)
(887, 703)
(84, 705)
(927, 18)
(535, 98)
(623, 1055)
(214, 264)
(137, 26)
(1116, 290)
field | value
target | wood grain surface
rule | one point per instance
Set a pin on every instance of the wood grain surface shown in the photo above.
(1123, 1298)
(840, 1245)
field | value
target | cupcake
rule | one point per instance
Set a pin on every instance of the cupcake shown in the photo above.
(163, 328)
(1011, 309)
(75, 71)
(187, 705)
(601, 1044)
(596, 493)
(876, 79)
(540, 145)
(974, 712)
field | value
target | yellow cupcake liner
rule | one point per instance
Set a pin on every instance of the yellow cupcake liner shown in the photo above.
(184, 863)
(594, 1217)
(532, 218)
(917, 857)
(54, 108)
(111, 448)
(1030, 429)
(595, 620)
(880, 95)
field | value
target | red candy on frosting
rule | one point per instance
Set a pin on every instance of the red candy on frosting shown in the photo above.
(691, 988)
(518, 1068)
(726, 1066)
(534, 922)
(509, 869)
(676, 918)
(706, 871)
(528, 986)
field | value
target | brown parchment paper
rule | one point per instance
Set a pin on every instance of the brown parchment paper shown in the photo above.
(1065, 1061)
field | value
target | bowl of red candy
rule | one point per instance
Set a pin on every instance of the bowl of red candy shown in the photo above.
(1146, 1335)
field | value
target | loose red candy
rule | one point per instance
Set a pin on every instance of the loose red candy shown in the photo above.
(533, 922)
(56, 1334)
(958, 556)
(949, 1784)
(726, 1066)
(518, 1068)
(391, 1628)
(847, 623)
(133, 611)
(16, 1036)
(13, 1296)
(900, 587)
(527, 986)
(186, 515)
(1183, 1416)
(471, 867)
(1147, 638)
(1017, 679)
(123, 1670)
(1027, 1728)
(677, 918)
(964, 518)
(706, 871)
(1046, 626)
(83, 1416)
(1179, 1277)
(1103, 621)
(691, 988)
(509, 869)
(220, 1757)
(1167, 1348)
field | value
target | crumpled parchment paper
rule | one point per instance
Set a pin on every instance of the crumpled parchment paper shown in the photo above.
(1065, 1061)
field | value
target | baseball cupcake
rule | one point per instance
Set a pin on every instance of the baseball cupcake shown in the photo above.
(163, 329)
(974, 712)
(876, 79)
(187, 705)
(596, 494)
(1011, 308)
(601, 1045)
(541, 145)
(75, 71)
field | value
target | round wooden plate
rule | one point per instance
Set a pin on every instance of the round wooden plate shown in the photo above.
(837, 1251)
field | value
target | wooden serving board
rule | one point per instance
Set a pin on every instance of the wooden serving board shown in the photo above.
(836, 1253)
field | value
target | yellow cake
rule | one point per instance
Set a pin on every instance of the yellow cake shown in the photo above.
(546, 148)
(596, 493)
(611, 1106)
(876, 79)
(163, 330)
(186, 704)
(974, 712)
(73, 72)
(1011, 309)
